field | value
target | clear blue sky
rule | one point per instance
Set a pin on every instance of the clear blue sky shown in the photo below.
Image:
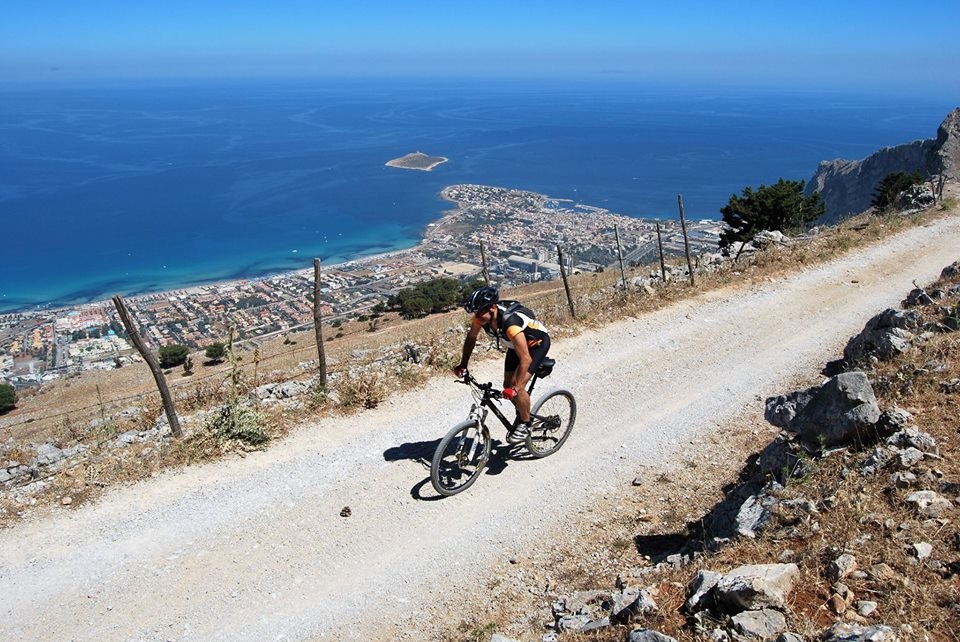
(857, 43)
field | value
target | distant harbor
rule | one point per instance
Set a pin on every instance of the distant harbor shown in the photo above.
(520, 230)
(417, 160)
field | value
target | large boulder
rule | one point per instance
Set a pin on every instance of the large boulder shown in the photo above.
(765, 624)
(951, 270)
(783, 409)
(756, 587)
(842, 411)
(915, 198)
(884, 336)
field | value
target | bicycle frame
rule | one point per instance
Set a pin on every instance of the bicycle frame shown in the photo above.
(463, 452)
(484, 394)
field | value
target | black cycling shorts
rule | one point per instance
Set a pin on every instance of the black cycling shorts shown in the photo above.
(537, 355)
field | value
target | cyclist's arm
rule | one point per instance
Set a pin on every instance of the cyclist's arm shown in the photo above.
(519, 341)
(469, 342)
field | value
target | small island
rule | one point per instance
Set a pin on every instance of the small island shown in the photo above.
(417, 160)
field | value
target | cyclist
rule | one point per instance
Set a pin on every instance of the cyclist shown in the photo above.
(529, 343)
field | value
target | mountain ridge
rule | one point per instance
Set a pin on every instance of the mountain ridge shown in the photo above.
(847, 186)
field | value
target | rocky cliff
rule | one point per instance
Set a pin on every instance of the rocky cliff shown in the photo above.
(847, 186)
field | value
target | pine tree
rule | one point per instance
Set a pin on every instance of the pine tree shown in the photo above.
(779, 207)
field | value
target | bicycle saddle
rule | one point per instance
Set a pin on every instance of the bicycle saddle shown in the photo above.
(546, 367)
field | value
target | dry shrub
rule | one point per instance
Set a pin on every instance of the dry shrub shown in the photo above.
(362, 388)
(406, 372)
(239, 422)
(442, 353)
(200, 395)
(317, 397)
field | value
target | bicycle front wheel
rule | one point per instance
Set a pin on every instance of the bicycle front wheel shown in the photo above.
(460, 458)
(553, 416)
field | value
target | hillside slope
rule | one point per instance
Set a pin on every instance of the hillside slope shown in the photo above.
(256, 548)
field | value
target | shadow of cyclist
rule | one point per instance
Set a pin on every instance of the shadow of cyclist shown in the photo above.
(422, 452)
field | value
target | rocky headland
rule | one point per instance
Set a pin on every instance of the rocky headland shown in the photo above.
(847, 186)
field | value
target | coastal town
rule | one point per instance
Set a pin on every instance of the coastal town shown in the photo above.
(520, 232)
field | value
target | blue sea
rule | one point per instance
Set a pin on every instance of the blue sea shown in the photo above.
(132, 188)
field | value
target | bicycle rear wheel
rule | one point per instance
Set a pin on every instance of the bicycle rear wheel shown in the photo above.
(460, 458)
(553, 416)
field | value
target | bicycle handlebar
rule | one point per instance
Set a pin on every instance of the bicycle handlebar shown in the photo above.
(487, 388)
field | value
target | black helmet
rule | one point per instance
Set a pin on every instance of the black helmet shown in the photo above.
(481, 299)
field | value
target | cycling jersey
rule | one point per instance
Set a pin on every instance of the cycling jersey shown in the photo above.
(514, 319)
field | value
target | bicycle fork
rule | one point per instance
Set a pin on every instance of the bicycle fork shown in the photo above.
(478, 415)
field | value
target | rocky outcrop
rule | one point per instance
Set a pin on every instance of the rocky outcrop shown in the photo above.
(947, 148)
(586, 611)
(847, 186)
(884, 336)
(754, 587)
(839, 412)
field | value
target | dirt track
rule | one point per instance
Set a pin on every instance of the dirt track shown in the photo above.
(255, 548)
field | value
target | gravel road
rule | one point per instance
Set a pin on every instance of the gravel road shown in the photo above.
(255, 548)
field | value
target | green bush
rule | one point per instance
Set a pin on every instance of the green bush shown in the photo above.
(430, 297)
(239, 423)
(779, 207)
(892, 185)
(215, 352)
(173, 355)
(362, 388)
(8, 397)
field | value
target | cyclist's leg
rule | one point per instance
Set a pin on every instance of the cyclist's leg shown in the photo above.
(537, 354)
(522, 401)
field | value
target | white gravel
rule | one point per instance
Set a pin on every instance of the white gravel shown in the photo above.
(255, 548)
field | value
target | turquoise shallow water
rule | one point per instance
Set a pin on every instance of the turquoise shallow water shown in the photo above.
(135, 189)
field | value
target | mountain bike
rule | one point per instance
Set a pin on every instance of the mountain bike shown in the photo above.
(464, 452)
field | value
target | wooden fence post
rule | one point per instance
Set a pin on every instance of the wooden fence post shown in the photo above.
(566, 285)
(623, 274)
(151, 360)
(317, 326)
(663, 266)
(686, 242)
(483, 260)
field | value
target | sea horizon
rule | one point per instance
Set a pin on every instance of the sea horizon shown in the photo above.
(136, 189)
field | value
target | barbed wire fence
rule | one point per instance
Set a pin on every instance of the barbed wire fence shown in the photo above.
(191, 392)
